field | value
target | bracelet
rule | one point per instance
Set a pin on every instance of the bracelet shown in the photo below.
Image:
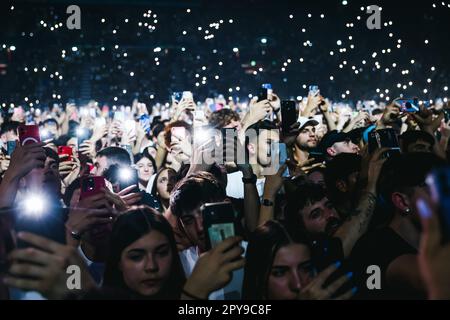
(267, 203)
(191, 295)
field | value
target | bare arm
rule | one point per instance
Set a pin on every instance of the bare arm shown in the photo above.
(357, 224)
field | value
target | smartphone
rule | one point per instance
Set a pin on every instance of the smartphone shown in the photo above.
(83, 135)
(384, 138)
(65, 150)
(119, 116)
(314, 90)
(317, 155)
(219, 222)
(91, 185)
(29, 134)
(144, 121)
(283, 153)
(289, 115)
(446, 115)
(177, 96)
(179, 132)
(265, 91)
(10, 147)
(122, 177)
(187, 95)
(439, 184)
(408, 105)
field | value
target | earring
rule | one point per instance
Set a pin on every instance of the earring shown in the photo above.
(407, 210)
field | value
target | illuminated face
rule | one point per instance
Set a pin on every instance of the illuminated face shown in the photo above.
(46, 178)
(165, 183)
(192, 223)
(420, 146)
(263, 150)
(146, 263)
(307, 139)
(343, 147)
(100, 165)
(291, 271)
(320, 217)
(145, 169)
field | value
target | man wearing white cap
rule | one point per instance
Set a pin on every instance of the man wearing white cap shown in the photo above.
(306, 139)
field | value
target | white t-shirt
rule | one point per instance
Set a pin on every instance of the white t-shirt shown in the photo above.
(235, 186)
(232, 291)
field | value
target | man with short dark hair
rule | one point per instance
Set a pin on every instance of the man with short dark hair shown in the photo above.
(416, 141)
(225, 118)
(306, 139)
(341, 179)
(334, 143)
(109, 156)
(185, 202)
(392, 247)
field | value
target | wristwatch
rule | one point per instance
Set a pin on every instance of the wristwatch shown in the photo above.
(267, 203)
(252, 179)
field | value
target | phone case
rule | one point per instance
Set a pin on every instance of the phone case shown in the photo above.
(91, 185)
(29, 134)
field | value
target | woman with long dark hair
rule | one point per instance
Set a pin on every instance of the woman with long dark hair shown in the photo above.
(279, 267)
(143, 259)
(162, 186)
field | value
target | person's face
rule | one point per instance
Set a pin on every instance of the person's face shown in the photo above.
(165, 183)
(100, 165)
(316, 177)
(47, 178)
(307, 139)
(343, 147)
(192, 222)
(73, 143)
(291, 271)
(419, 146)
(320, 217)
(145, 169)
(266, 139)
(11, 136)
(234, 124)
(146, 263)
(52, 129)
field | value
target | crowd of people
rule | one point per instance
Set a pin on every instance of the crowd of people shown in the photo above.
(310, 224)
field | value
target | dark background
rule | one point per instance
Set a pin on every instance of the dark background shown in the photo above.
(102, 75)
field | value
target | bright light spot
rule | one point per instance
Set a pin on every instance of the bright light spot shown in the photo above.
(339, 42)
(74, 49)
(34, 206)
(263, 40)
(235, 50)
(157, 49)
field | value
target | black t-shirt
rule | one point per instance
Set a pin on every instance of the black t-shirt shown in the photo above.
(380, 248)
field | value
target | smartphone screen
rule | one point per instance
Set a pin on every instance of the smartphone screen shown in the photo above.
(314, 90)
(289, 115)
(29, 134)
(408, 105)
(439, 184)
(219, 221)
(10, 147)
(384, 138)
(91, 185)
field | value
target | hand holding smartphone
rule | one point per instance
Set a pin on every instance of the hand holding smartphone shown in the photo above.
(220, 222)
(29, 134)
(91, 185)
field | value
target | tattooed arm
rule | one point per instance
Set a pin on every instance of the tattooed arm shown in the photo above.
(357, 223)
